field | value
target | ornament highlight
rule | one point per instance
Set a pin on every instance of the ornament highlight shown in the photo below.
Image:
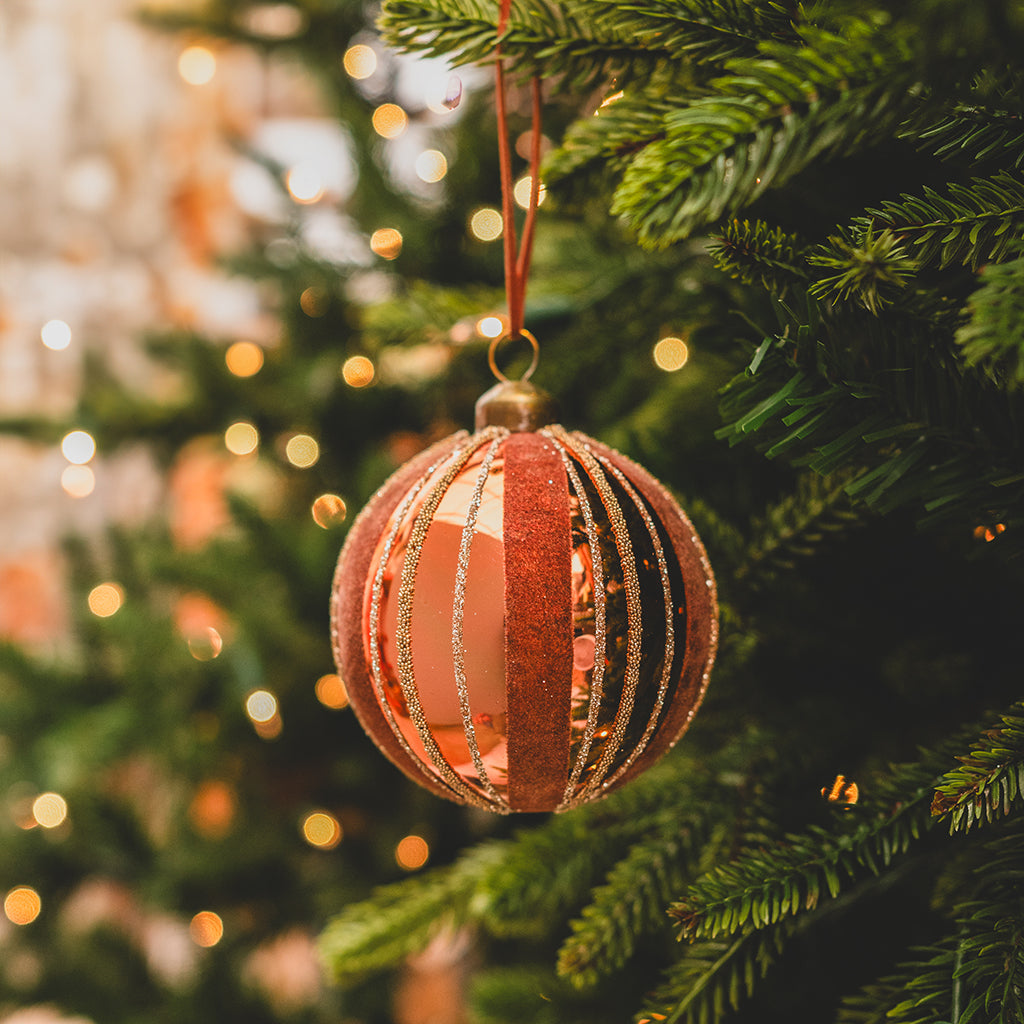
(524, 618)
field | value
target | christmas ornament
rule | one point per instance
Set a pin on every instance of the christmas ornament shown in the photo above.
(524, 619)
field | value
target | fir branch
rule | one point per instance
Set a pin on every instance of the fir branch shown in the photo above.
(989, 784)
(759, 253)
(868, 270)
(964, 224)
(972, 135)
(399, 919)
(993, 337)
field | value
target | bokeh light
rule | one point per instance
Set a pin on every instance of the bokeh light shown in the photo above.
(206, 928)
(431, 166)
(389, 120)
(78, 481)
(412, 852)
(670, 354)
(490, 327)
(329, 510)
(205, 644)
(360, 61)
(486, 224)
(22, 905)
(49, 809)
(197, 65)
(261, 705)
(305, 183)
(322, 830)
(331, 692)
(302, 451)
(105, 599)
(521, 192)
(244, 358)
(56, 334)
(357, 371)
(78, 447)
(212, 809)
(241, 438)
(386, 242)
(313, 301)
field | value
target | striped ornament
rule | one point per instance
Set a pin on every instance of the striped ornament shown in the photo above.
(525, 620)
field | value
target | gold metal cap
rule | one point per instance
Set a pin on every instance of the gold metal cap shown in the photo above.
(516, 405)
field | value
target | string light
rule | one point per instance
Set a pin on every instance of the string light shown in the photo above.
(490, 327)
(412, 852)
(56, 335)
(105, 599)
(244, 358)
(521, 192)
(389, 120)
(78, 447)
(486, 224)
(841, 791)
(205, 644)
(360, 61)
(989, 533)
(206, 928)
(431, 166)
(670, 354)
(241, 438)
(331, 692)
(329, 510)
(197, 65)
(78, 481)
(357, 371)
(302, 451)
(49, 809)
(261, 705)
(386, 242)
(22, 905)
(304, 184)
(322, 830)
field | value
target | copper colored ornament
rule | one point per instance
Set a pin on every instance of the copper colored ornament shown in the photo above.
(524, 619)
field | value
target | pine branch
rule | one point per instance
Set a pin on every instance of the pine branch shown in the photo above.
(989, 785)
(993, 337)
(869, 269)
(759, 253)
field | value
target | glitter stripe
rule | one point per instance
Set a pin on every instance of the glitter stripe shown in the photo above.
(634, 646)
(600, 633)
(460, 454)
(670, 631)
(458, 621)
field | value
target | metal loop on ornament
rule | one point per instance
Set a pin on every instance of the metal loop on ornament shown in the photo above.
(492, 351)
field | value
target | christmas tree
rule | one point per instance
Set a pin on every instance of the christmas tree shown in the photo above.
(775, 266)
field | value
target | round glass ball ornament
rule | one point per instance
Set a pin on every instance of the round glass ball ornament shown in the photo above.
(524, 619)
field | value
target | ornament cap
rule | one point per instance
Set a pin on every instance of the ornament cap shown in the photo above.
(515, 405)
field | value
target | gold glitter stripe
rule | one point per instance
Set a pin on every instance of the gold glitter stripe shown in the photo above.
(670, 630)
(634, 646)
(600, 633)
(458, 622)
(375, 602)
(403, 631)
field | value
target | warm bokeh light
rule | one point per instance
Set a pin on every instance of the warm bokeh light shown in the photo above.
(490, 327)
(273, 21)
(205, 644)
(206, 928)
(49, 809)
(78, 481)
(841, 791)
(197, 65)
(330, 691)
(329, 510)
(386, 242)
(389, 120)
(412, 852)
(270, 729)
(261, 705)
(671, 354)
(244, 358)
(431, 166)
(357, 371)
(313, 301)
(56, 335)
(322, 830)
(78, 447)
(486, 224)
(302, 451)
(360, 61)
(241, 438)
(105, 599)
(521, 192)
(212, 809)
(22, 905)
(305, 183)
(989, 533)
